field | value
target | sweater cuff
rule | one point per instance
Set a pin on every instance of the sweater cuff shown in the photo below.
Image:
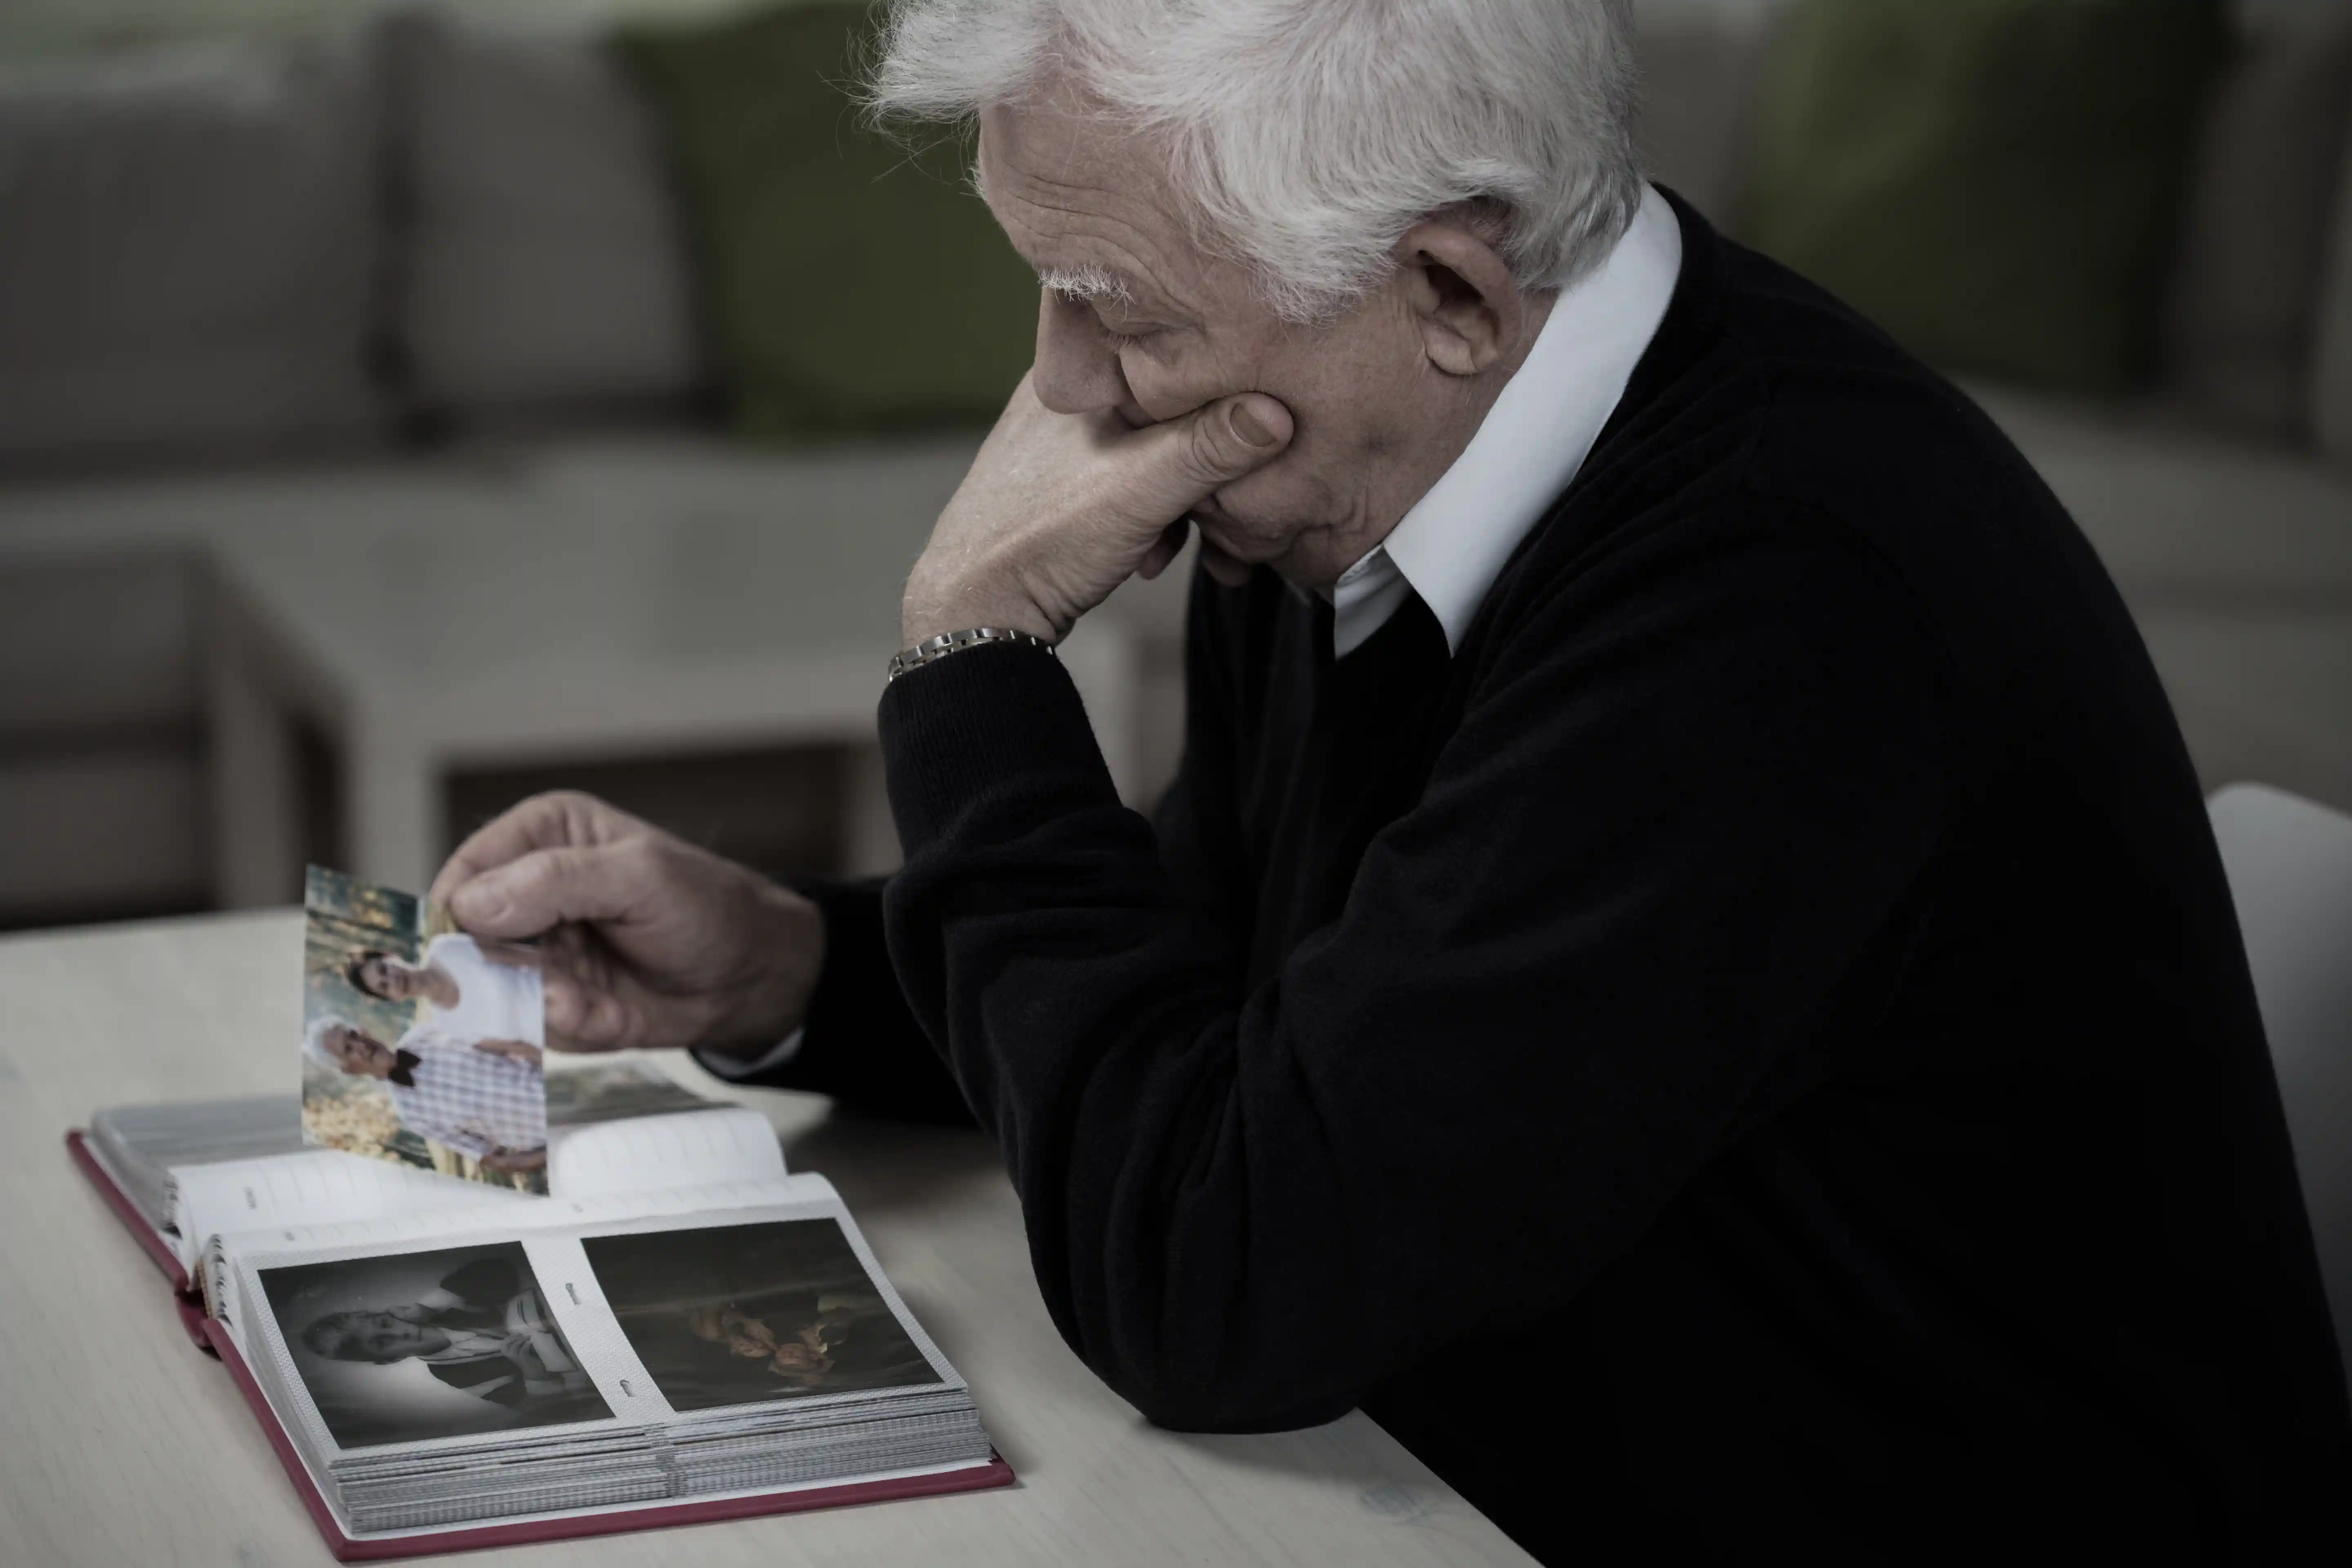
(806, 1059)
(751, 1070)
(978, 719)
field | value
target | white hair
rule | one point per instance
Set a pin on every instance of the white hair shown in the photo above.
(314, 1039)
(1308, 135)
(1087, 281)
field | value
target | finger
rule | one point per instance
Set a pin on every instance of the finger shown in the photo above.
(542, 822)
(575, 973)
(1228, 572)
(536, 824)
(1190, 459)
(589, 1002)
(581, 1018)
(527, 896)
(1170, 546)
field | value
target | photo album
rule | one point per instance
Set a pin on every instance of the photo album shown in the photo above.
(478, 1298)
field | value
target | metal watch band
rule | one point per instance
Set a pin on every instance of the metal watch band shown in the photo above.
(932, 649)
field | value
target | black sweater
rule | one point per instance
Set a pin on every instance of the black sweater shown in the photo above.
(1752, 1053)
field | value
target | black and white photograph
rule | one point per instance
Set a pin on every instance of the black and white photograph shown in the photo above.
(422, 1345)
(745, 1313)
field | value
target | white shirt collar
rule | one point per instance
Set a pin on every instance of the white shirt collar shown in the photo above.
(1451, 546)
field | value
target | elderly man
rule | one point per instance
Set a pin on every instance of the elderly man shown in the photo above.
(483, 1098)
(1684, 972)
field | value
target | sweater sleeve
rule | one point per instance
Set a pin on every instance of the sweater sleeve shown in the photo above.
(1653, 868)
(1197, 824)
(859, 1043)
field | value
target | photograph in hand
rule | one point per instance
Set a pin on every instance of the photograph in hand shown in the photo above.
(745, 1313)
(420, 1043)
(422, 1345)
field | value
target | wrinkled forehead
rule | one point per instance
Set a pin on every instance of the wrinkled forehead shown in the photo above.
(1079, 195)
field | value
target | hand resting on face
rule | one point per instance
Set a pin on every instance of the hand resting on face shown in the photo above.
(1060, 509)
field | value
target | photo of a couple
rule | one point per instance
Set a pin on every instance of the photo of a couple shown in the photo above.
(422, 1048)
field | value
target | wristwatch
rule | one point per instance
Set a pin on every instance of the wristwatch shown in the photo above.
(932, 649)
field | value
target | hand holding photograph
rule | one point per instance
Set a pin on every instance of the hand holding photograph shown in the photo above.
(420, 1045)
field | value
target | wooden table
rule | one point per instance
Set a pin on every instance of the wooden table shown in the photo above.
(122, 1445)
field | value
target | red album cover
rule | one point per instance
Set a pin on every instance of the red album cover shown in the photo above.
(651, 1516)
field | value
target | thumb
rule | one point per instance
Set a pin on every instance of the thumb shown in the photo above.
(1212, 445)
(526, 896)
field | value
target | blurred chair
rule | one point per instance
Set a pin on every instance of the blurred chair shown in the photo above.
(103, 738)
(2290, 867)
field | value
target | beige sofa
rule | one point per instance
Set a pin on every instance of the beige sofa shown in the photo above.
(326, 266)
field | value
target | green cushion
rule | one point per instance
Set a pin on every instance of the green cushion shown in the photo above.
(1997, 182)
(847, 284)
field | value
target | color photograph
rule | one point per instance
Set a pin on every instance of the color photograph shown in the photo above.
(745, 1313)
(428, 1344)
(420, 1043)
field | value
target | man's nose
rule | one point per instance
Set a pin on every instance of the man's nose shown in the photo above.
(1077, 373)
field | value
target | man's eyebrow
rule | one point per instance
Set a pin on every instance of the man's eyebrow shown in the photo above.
(1089, 283)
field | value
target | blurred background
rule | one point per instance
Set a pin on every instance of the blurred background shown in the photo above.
(407, 408)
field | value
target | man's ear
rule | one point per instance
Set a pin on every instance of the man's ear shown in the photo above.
(1461, 297)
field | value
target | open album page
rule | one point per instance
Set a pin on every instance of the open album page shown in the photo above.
(140, 1146)
(711, 1147)
(610, 1356)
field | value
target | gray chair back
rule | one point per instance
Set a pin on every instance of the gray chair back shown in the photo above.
(2290, 867)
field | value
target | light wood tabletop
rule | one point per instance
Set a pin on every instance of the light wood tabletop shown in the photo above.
(121, 1444)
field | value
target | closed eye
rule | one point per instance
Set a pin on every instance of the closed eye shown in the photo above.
(1135, 338)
